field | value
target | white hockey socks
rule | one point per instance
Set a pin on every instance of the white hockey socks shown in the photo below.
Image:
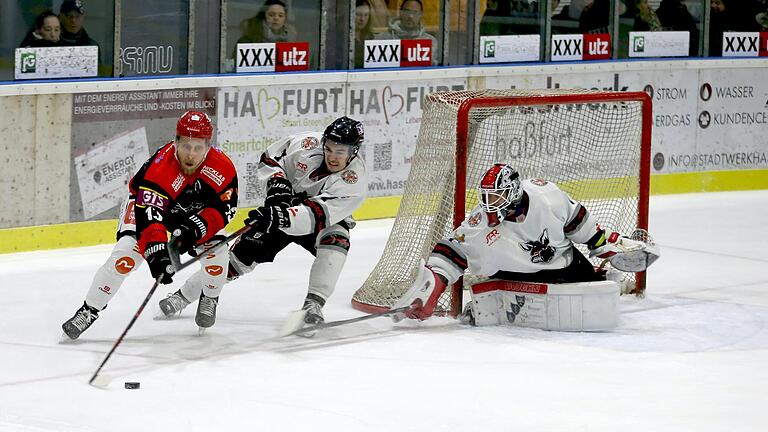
(325, 271)
(123, 260)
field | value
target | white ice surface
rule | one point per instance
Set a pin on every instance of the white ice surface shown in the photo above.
(691, 356)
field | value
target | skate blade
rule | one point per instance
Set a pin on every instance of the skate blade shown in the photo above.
(308, 335)
(201, 331)
(161, 316)
(294, 322)
(64, 339)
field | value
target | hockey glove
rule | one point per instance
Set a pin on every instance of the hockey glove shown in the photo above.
(611, 244)
(189, 232)
(627, 254)
(159, 262)
(279, 192)
(268, 219)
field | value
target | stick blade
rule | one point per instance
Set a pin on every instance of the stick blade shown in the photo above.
(101, 381)
(294, 322)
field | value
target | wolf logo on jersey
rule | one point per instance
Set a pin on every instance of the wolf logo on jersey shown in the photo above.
(541, 251)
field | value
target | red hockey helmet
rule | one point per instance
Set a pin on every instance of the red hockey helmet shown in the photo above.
(499, 188)
(194, 124)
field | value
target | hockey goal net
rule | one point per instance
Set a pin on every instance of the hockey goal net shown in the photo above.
(594, 145)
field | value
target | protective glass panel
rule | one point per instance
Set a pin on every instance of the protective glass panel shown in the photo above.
(295, 22)
(512, 17)
(661, 16)
(154, 38)
(406, 20)
(94, 26)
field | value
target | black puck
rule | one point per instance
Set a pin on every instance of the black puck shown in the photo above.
(132, 385)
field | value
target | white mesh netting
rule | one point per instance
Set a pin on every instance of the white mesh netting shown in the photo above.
(591, 149)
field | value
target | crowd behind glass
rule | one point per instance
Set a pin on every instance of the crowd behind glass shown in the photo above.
(201, 36)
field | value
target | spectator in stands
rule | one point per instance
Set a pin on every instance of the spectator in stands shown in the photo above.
(408, 26)
(363, 31)
(379, 15)
(45, 33)
(524, 17)
(674, 16)
(752, 15)
(269, 25)
(562, 23)
(762, 20)
(719, 21)
(495, 20)
(595, 17)
(644, 17)
(72, 15)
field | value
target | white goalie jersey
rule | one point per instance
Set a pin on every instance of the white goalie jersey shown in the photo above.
(329, 197)
(541, 239)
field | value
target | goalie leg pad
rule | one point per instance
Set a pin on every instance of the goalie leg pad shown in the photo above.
(124, 260)
(583, 306)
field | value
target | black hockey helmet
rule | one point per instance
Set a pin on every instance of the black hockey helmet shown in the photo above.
(346, 131)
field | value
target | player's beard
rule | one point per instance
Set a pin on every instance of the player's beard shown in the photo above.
(189, 170)
(186, 166)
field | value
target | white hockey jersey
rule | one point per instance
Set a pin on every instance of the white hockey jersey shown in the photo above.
(331, 197)
(540, 240)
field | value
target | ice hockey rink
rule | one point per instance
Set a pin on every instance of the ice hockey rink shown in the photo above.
(691, 356)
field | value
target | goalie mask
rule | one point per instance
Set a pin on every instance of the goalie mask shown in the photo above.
(499, 189)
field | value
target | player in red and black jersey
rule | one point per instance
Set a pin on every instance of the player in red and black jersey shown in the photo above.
(187, 188)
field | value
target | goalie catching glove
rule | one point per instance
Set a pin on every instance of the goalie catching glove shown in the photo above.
(422, 295)
(630, 254)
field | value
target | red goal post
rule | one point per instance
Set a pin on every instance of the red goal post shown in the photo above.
(595, 145)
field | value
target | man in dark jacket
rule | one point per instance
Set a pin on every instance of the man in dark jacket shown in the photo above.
(72, 15)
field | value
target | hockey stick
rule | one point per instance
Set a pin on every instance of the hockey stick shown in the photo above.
(325, 325)
(130, 324)
(173, 249)
(178, 268)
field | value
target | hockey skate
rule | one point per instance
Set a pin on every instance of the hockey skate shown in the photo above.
(313, 313)
(83, 318)
(206, 312)
(173, 304)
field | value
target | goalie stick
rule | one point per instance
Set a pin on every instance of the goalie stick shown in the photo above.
(174, 254)
(290, 330)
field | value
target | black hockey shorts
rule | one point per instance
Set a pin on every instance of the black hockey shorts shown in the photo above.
(580, 270)
(250, 249)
